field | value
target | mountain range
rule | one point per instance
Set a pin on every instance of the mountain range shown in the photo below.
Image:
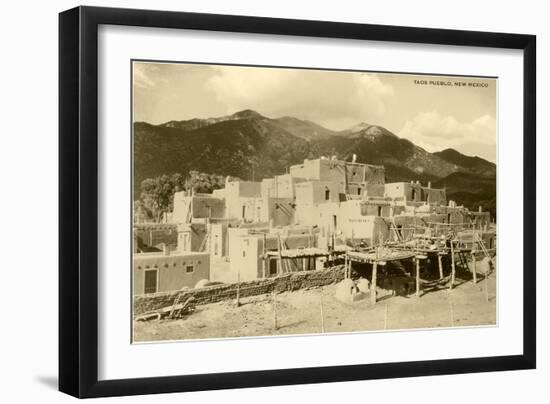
(251, 146)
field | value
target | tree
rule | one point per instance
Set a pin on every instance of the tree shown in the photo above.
(157, 194)
(204, 183)
(141, 212)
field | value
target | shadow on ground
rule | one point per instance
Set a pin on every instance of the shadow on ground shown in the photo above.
(48, 381)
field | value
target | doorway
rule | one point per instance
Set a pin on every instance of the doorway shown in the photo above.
(151, 281)
(273, 267)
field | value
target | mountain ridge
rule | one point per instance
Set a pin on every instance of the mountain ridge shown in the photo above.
(251, 146)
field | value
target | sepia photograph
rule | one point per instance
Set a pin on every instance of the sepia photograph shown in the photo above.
(277, 201)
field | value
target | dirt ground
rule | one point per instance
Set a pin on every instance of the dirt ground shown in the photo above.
(300, 313)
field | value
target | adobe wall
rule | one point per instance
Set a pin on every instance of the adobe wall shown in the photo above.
(153, 235)
(194, 233)
(313, 192)
(278, 211)
(207, 206)
(309, 170)
(202, 206)
(213, 294)
(218, 241)
(404, 190)
(365, 173)
(245, 208)
(172, 273)
(434, 196)
(243, 189)
(280, 186)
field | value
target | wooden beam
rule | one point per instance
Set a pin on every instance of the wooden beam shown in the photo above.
(274, 303)
(486, 284)
(238, 300)
(474, 271)
(440, 264)
(373, 284)
(453, 268)
(346, 266)
(279, 258)
(264, 269)
(417, 294)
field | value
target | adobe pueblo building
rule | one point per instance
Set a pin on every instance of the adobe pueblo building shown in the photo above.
(321, 212)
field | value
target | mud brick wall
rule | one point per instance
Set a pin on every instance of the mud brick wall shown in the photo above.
(154, 235)
(212, 294)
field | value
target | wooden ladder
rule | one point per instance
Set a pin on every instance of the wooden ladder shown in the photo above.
(395, 230)
(177, 310)
(189, 213)
(282, 247)
(204, 241)
(483, 248)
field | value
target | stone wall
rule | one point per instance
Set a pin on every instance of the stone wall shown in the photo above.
(212, 294)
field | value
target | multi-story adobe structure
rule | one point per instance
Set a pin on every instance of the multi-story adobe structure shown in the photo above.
(296, 220)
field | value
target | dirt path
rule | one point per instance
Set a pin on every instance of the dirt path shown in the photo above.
(300, 313)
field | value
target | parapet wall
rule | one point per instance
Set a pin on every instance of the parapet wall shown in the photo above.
(212, 294)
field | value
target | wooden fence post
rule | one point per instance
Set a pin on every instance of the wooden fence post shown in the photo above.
(474, 271)
(417, 294)
(274, 302)
(373, 284)
(238, 289)
(486, 285)
(453, 268)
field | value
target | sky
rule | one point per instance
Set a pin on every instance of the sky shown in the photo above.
(434, 112)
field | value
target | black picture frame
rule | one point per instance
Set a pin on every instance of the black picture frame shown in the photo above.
(78, 200)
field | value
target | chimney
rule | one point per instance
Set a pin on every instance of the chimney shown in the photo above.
(354, 159)
(480, 209)
(429, 184)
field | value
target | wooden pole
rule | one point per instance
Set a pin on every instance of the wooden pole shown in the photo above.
(440, 264)
(474, 272)
(486, 285)
(274, 303)
(279, 258)
(417, 294)
(322, 315)
(264, 269)
(238, 289)
(453, 269)
(373, 284)
(346, 266)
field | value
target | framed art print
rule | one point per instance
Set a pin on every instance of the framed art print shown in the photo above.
(250, 201)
